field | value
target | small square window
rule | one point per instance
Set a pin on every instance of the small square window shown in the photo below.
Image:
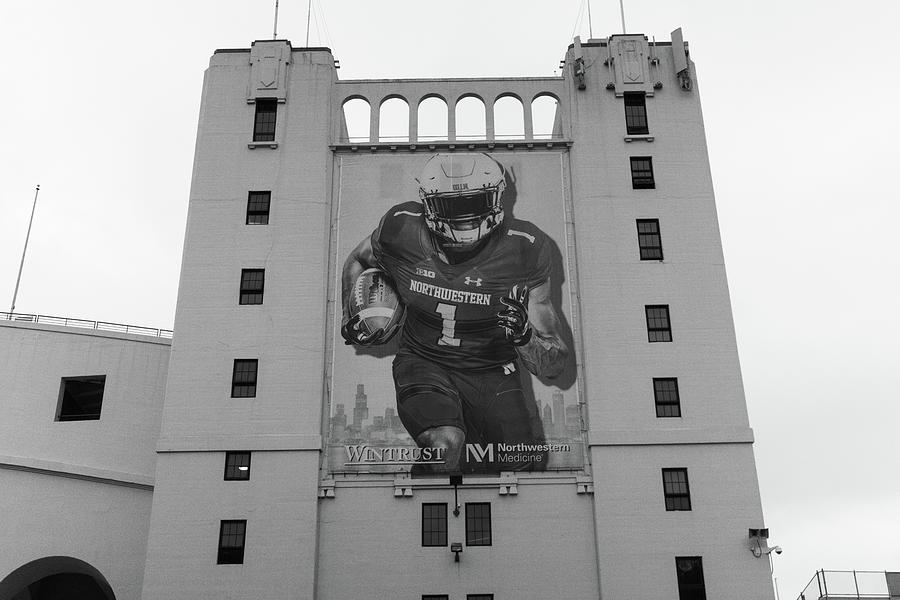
(258, 208)
(237, 466)
(676, 490)
(478, 523)
(689, 570)
(252, 285)
(642, 173)
(434, 524)
(243, 378)
(80, 398)
(659, 329)
(636, 113)
(665, 395)
(649, 240)
(264, 120)
(231, 542)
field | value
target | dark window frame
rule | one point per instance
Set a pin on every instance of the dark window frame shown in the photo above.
(479, 597)
(265, 118)
(435, 597)
(666, 399)
(659, 326)
(234, 460)
(232, 530)
(636, 113)
(676, 490)
(478, 526)
(258, 205)
(245, 386)
(68, 407)
(649, 242)
(252, 288)
(642, 177)
(434, 525)
(688, 586)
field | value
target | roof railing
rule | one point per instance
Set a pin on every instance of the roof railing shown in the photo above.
(851, 585)
(85, 324)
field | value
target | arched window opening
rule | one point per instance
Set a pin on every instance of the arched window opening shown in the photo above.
(432, 119)
(356, 121)
(470, 120)
(509, 119)
(543, 118)
(394, 121)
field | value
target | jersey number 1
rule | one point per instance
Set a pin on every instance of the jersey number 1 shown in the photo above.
(447, 312)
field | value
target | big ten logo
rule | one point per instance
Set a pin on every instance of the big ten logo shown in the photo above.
(480, 453)
(424, 272)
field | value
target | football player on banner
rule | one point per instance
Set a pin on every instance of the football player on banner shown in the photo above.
(476, 292)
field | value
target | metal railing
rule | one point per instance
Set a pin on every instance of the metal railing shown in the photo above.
(847, 585)
(85, 324)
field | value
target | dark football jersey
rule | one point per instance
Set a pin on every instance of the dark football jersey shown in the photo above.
(451, 310)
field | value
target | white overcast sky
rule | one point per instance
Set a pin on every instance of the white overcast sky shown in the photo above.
(100, 102)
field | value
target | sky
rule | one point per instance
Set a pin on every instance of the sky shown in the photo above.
(100, 108)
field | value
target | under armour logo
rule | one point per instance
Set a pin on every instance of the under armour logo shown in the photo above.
(469, 281)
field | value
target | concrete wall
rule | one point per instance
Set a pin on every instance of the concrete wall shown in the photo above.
(79, 488)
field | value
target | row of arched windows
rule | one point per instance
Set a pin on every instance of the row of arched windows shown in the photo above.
(433, 119)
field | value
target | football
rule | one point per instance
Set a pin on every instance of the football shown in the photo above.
(377, 303)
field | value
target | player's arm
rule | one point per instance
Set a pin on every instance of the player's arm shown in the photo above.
(361, 258)
(533, 326)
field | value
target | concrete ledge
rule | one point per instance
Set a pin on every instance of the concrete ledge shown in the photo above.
(720, 435)
(220, 442)
(49, 467)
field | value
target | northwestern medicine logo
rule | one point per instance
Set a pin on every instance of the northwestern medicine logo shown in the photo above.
(511, 453)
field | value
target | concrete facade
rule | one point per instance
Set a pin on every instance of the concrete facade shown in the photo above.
(77, 491)
(601, 531)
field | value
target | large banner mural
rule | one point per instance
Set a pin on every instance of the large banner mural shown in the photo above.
(453, 348)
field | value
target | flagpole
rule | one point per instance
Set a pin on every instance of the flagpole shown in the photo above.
(12, 308)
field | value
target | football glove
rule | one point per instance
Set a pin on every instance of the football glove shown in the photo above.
(353, 335)
(514, 320)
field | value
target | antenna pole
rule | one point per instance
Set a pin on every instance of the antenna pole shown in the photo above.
(308, 10)
(622, 11)
(12, 308)
(590, 21)
(275, 26)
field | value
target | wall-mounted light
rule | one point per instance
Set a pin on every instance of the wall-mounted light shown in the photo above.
(456, 549)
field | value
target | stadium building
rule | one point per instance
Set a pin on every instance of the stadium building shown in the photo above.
(255, 455)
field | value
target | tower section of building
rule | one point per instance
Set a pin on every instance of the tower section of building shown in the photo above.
(246, 368)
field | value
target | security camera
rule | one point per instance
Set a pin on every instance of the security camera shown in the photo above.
(777, 549)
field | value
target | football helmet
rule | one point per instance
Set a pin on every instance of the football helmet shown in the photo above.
(461, 195)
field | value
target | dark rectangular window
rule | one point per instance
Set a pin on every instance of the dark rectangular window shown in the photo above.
(258, 208)
(676, 489)
(478, 523)
(665, 394)
(649, 240)
(243, 378)
(479, 597)
(689, 570)
(659, 329)
(252, 285)
(636, 113)
(642, 173)
(231, 542)
(435, 597)
(80, 398)
(237, 466)
(434, 524)
(264, 121)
